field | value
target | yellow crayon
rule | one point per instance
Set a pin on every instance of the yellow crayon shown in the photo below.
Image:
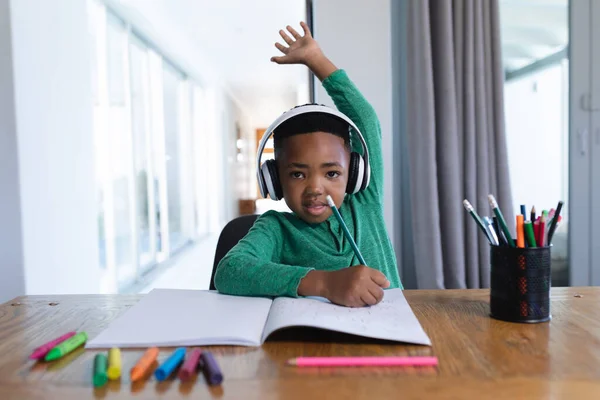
(114, 364)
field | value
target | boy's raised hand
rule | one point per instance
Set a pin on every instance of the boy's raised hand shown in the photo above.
(303, 50)
(300, 49)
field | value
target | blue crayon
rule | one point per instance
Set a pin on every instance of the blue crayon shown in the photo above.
(167, 367)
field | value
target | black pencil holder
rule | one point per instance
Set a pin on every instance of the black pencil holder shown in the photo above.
(520, 284)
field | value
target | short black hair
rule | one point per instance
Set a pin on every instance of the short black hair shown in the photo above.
(309, 123)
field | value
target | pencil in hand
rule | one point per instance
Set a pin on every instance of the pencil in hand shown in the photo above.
(345, 229)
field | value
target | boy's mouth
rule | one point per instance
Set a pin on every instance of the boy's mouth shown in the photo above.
(315, 208)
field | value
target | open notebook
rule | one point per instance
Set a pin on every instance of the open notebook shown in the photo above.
(169, 317)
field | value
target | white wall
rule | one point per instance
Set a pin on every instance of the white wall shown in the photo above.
(12, 279)
(52, 99)
(356, 36)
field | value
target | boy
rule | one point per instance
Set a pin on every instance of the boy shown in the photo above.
(305, 253)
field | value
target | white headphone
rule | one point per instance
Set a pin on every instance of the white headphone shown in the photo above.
(268, 177)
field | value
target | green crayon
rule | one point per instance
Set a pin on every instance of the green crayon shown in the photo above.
(67, 346)
(100, 366)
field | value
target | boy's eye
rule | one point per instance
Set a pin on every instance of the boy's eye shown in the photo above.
(297, 175)
(333, 174)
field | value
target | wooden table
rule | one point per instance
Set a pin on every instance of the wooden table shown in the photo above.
(479, 357)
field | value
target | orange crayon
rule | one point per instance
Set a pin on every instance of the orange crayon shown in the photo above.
(141, 368)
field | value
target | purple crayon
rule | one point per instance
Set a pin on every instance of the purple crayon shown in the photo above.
(212, 372)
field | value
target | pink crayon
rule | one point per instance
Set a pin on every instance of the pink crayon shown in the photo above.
(41, 351)
(363, 361)
(189, 367)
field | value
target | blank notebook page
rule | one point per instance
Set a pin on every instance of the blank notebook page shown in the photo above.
(171, 317)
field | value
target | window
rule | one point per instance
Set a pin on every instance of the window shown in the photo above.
(536, 95)
(145, 112)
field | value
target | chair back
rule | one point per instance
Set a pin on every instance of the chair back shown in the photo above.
(231, 234)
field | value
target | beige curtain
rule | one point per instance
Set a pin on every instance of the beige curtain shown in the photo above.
(455, 138)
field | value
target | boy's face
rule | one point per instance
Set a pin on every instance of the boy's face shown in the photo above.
(312, 166)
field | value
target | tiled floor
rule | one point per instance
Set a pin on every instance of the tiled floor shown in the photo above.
(190, 270)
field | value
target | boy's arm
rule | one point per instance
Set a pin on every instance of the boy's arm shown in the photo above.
(248, 268)
(350, 101)
(346, 96)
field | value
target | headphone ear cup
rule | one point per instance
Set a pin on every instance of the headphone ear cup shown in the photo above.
(353, 172)
(271, 177)
(276, 184)
(365, 174)
(266, 180)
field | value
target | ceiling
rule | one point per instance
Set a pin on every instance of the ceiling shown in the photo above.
(236, 37)
(532, 30)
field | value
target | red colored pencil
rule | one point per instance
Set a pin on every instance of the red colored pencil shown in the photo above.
(543, 231)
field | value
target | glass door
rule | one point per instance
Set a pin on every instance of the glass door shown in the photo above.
(201, 149)
(120, 154)
(149, 119)
(144, 176)
(536, 58)
(172, 86)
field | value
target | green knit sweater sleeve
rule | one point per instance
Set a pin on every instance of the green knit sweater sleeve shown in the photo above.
(350, 101)
(250, 267)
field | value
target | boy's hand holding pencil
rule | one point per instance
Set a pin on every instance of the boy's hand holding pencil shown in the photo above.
(355, 286)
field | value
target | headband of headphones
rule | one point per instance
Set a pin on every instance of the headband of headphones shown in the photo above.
(308, 108)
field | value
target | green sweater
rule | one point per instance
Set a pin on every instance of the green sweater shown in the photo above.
(280, 249)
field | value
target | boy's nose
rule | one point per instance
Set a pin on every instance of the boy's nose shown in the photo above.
(314, 187)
